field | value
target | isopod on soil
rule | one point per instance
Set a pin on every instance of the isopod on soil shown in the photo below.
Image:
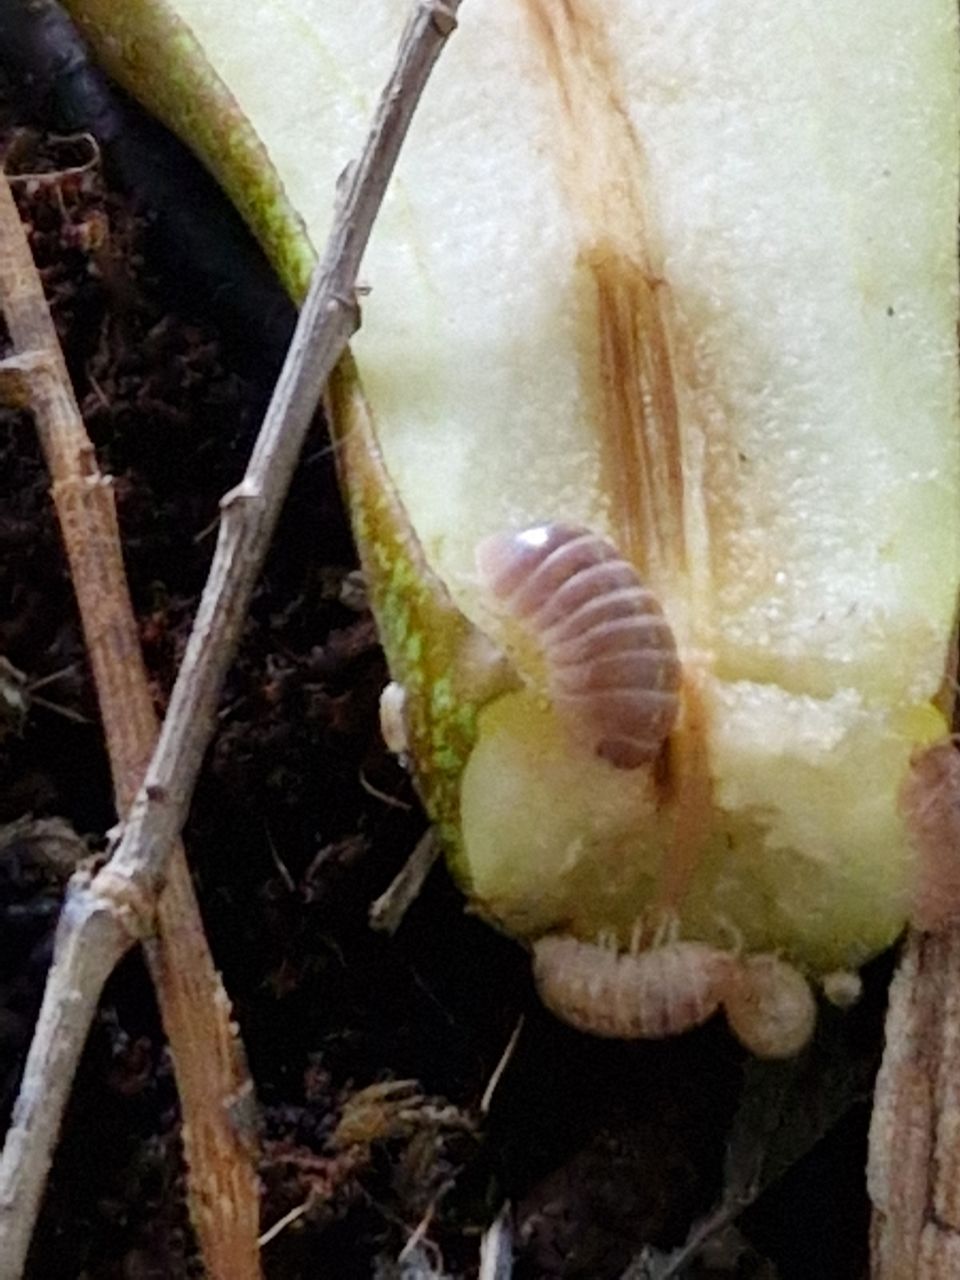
(612, 667)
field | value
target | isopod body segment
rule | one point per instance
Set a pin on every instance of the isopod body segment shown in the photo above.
(613, 671)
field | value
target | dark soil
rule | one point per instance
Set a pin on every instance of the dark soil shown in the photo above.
(300, 820)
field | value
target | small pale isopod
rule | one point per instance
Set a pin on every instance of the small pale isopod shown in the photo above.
(670, 989)
(770, 1007)
(645, 995)
(843, 988)
(612, 665)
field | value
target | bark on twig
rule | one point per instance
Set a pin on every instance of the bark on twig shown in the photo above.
(97, 926)
(139, 864)
(914, 1164)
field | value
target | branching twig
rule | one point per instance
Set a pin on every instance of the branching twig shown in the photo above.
(914, 1165)
(210, 1073)
(139, 864)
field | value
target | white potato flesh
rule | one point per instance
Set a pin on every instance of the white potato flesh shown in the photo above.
(684, 273)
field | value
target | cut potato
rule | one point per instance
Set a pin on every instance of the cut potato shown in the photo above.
(685, 275)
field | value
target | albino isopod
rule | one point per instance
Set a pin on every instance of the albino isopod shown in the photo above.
(770, 1007)
(645, 995)
(842, 988)
(612, 666)
(673, 988)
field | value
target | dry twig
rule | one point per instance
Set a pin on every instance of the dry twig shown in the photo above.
(103, 918)
(388, 911)
(914, 1165)
(208, 1062)
(496, 1248)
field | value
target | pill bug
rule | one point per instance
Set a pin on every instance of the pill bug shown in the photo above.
(645, 995)
(612, 667)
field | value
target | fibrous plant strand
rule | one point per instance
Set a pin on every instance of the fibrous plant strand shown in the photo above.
(97, 927)
(913, 1172)
(118, 904)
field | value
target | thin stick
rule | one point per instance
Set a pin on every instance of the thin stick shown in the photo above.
(329, 317)
(97, 928)
(914, 1162)
(496, 1248)
(281, 1224)
(500, 1068)
(387, 911)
